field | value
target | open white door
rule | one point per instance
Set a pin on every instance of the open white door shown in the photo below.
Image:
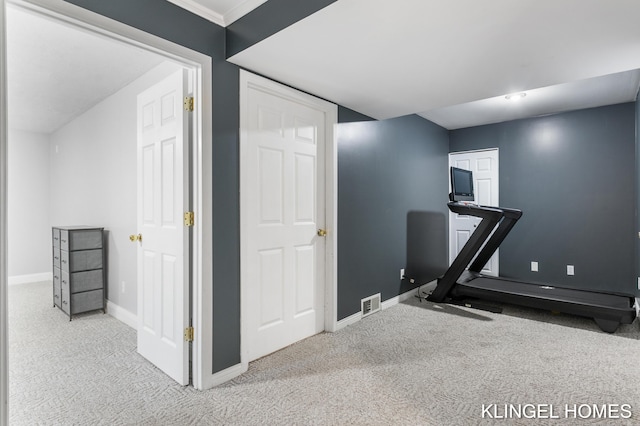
(163, 273)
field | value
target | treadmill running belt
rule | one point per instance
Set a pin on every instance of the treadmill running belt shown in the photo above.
(551, 293)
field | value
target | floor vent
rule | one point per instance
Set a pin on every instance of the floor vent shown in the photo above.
(370, 305)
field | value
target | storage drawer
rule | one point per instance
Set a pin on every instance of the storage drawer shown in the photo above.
(83, 281)
(64, 297)
(56, 237)
(81, 260)
(87, 301)
(80, 239)
(57, 289)
(56, 257)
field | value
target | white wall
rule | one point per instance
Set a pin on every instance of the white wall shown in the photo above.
(93, 179)
(29, 233)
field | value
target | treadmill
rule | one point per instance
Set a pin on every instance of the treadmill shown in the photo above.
(462, 285)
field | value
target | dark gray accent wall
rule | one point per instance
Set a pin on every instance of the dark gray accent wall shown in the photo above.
(392, 181)
(346, 115)
(170, 22)
(266, 20)
(573, 175)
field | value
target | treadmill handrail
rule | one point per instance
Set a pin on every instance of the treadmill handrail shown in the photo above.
(490, 218)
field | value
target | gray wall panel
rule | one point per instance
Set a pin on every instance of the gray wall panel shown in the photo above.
(573, 175)
(346, 115)
(392, 179)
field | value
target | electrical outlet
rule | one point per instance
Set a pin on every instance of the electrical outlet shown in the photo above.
(638, 283)
(402, 273)
(534, 266)
(570, 270)
(124, 286)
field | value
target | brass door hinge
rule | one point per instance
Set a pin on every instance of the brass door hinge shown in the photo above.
(188, 103)
(189, 219)
(188, 334)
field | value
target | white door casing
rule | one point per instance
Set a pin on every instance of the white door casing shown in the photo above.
(163, 255)
(485, 167)
(4, 335)
(202, 234)
(285, 270)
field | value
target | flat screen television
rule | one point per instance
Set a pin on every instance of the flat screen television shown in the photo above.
(461, 185)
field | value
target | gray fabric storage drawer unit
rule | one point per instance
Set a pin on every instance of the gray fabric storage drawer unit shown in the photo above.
(78, 272)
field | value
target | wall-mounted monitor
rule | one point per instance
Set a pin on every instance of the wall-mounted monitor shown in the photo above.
(461, 185)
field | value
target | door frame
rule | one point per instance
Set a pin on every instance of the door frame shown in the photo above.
(249, 80)
(201, 171)
(4, 341)
(472, 151)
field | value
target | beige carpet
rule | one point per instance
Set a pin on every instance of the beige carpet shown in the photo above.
(413, 364)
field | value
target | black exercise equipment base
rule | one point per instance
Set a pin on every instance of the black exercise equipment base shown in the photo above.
(458, 283)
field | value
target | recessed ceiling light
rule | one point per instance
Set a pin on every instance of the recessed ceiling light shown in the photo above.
(515, 96)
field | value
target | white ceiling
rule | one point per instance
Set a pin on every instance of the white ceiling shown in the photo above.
(451, 61)
(56, 72)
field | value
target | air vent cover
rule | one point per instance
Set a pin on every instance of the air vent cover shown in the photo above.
(370, 305)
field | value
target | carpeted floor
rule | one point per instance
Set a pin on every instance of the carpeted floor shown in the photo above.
(413, 364)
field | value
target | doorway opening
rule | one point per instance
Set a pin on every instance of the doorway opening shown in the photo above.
(114, 165)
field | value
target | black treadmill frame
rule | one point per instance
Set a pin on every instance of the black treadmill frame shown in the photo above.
(607, 309)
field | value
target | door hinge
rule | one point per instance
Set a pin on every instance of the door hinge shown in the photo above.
(188, 103)
(188, 334)
(189, 219)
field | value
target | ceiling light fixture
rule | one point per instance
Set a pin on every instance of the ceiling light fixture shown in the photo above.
(515, 96)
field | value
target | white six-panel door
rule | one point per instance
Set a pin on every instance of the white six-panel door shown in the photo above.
(484, 165)
(163, 288)
(283, 193)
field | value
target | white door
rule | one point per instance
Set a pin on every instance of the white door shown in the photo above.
(484, 165)
(163, 272)
(283, 193)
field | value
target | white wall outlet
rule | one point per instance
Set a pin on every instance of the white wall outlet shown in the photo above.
(402, 273)
(534, 266)
(638, 283)
(570, 270)
(124, 286)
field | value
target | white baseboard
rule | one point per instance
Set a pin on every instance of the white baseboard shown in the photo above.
(30, 278)
(122, 314)
(224, 376)
(352, 319)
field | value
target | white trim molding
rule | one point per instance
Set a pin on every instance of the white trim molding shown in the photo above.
(225, 375)
(240, 10)
(30, 278)
(122, 315)
(352, 319)
(223, 18)
(4, 343)
(200, 10)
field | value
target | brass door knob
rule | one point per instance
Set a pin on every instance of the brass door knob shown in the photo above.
(322, 233)
(135, 238)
